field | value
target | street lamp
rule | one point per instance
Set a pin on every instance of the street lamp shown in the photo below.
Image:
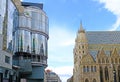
(114, 73)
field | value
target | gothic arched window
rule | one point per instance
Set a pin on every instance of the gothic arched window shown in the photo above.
(94, 68)
(87, 69)
(101, 74)
(106, 74)
(103, 61)
(84, 69)
(115, 60)
(107, 61)
(82, 47)
(99, 61)
(83, 52)
(112, 61)
(91, 68)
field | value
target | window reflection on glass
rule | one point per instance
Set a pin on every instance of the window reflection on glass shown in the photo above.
(10, 22)
(30, 38)
(2, 14)
(27, 41)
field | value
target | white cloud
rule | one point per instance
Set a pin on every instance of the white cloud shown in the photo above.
(114, 7)
(60, 44)
(60, 37)
(116, 25)
(61, 57)
(64, 72)
(60, 50)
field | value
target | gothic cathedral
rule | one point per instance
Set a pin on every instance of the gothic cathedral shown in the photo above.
(96, 56)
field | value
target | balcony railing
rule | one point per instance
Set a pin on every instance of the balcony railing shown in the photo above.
(26, 66)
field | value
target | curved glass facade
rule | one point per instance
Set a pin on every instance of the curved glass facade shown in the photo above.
(32, 34)
(10, 24)
(2, 13)
(34, 19)
(7, 9)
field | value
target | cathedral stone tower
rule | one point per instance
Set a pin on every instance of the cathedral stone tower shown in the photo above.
(80, 50)
(81, 45)
(83, 61)
(96, 56)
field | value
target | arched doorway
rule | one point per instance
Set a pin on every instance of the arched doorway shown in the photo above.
(86, 80)
(94, 80)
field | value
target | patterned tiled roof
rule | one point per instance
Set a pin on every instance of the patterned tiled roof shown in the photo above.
(95, 52)
(103, 37)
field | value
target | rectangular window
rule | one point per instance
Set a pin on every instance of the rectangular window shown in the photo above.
(7, 59)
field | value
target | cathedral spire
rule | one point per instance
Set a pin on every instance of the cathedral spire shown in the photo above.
(81, 28)
(81, 35)
(81, 44)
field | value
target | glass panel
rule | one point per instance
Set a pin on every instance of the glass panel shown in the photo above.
(22, 21)
(27, 41)
(35, 43)
(21, 38)
(39, 44)
(11, 10)
(15, 20)
(35, 21)
(2, 13)
(40, 21)
(28, 22)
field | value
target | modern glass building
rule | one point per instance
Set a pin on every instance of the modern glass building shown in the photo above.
(2, 13)
(24, 31)
(32, 34)
(30, 42)
(7, 12)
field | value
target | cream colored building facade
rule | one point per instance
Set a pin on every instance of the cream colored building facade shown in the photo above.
(96, 56)
(51, 76)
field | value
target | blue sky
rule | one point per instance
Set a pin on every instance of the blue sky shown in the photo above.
(64, 21)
